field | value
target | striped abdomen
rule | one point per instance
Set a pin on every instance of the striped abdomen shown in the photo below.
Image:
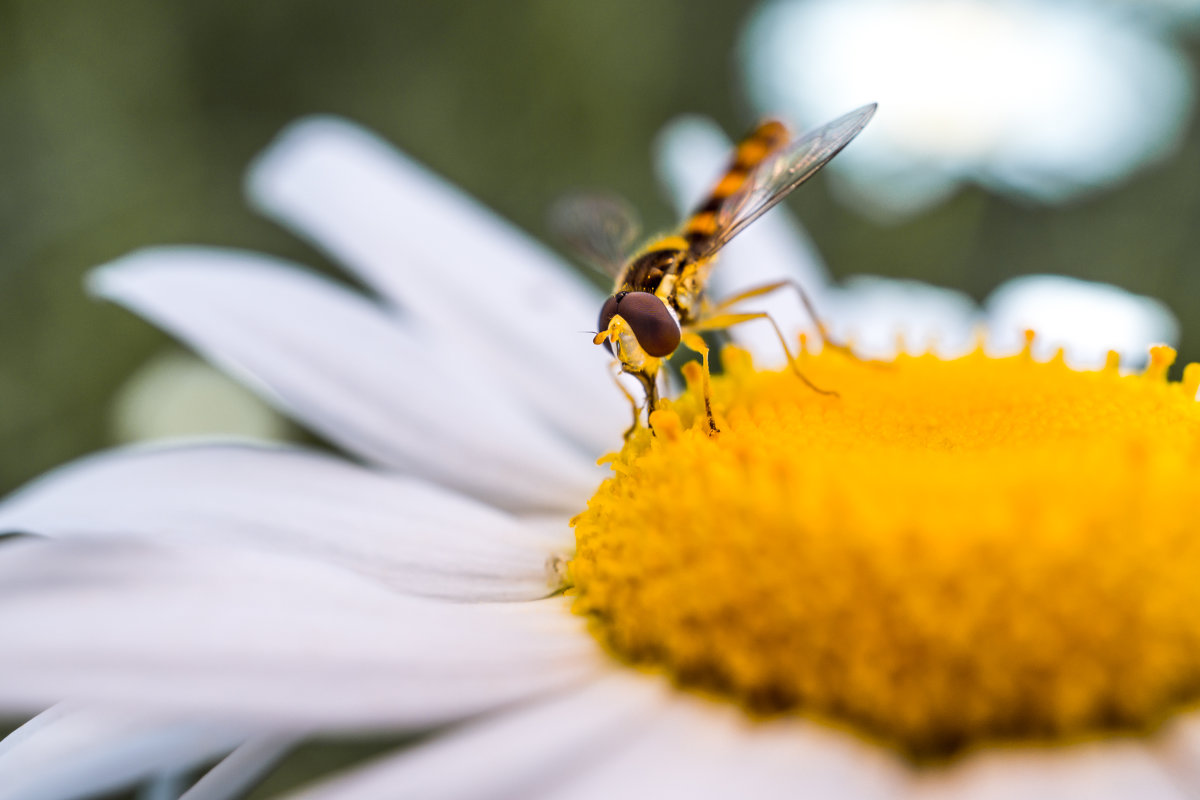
(705, 222)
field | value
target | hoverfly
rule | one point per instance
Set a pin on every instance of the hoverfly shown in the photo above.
(659, 299)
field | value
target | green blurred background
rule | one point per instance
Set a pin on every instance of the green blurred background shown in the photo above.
(129, 123)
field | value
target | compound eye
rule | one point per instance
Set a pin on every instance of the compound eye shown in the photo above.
(607, 312)
(652, 324)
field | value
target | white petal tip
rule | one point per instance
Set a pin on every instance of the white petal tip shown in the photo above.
(110, 280)
(104, 281)
(300, 142)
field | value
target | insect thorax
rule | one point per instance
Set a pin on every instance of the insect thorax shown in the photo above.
(646, 271)
(687, 294)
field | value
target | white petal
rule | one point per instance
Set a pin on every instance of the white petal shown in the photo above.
(818, 762)
(692, 151)
(1114, 770)
(874, 313)
(699, 749)
(457, 268)
(511, 754)
(1087, 319)
(242, 769)
(416, 537)
(277, 642)
(69, 752)
(347, 369)
(1178, 749)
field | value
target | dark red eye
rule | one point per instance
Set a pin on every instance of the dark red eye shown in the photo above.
(652, 324)
(607, 312)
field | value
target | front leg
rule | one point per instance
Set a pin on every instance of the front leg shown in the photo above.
(694, 342)
(648, 378)
(633, 403)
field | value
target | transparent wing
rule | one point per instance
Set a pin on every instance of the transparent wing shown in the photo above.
(599, 228)
(776, 178)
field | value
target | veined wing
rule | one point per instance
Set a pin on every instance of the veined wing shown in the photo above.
(777, 177)
(599, 228)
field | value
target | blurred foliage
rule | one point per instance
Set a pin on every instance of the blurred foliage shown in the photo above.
(129, 122)
(318, 759)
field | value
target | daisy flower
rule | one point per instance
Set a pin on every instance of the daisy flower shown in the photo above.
(960, 577)
(1038, 99)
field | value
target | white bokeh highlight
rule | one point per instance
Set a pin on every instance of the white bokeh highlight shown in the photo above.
(1027, 97)
(1087, 319)
(176, 394)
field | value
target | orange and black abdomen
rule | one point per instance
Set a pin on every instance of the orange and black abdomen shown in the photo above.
(705, 222)
(669, 254)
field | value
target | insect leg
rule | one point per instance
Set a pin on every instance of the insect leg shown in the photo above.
(633, 403)
(649, 380)
(722, 321)
(767, 288)
(694, 342)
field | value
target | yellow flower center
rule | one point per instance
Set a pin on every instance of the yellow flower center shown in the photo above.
(947, 552)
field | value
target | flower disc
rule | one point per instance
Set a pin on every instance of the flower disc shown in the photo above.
(946, 552)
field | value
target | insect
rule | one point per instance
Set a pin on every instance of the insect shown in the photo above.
(659, 299)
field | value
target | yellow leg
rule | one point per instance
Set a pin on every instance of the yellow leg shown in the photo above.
(693, 341)
(637, 410)
(767, 288)
(722, 321)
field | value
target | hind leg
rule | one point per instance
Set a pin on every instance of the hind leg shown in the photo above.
(767, 288)
(723, 321)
